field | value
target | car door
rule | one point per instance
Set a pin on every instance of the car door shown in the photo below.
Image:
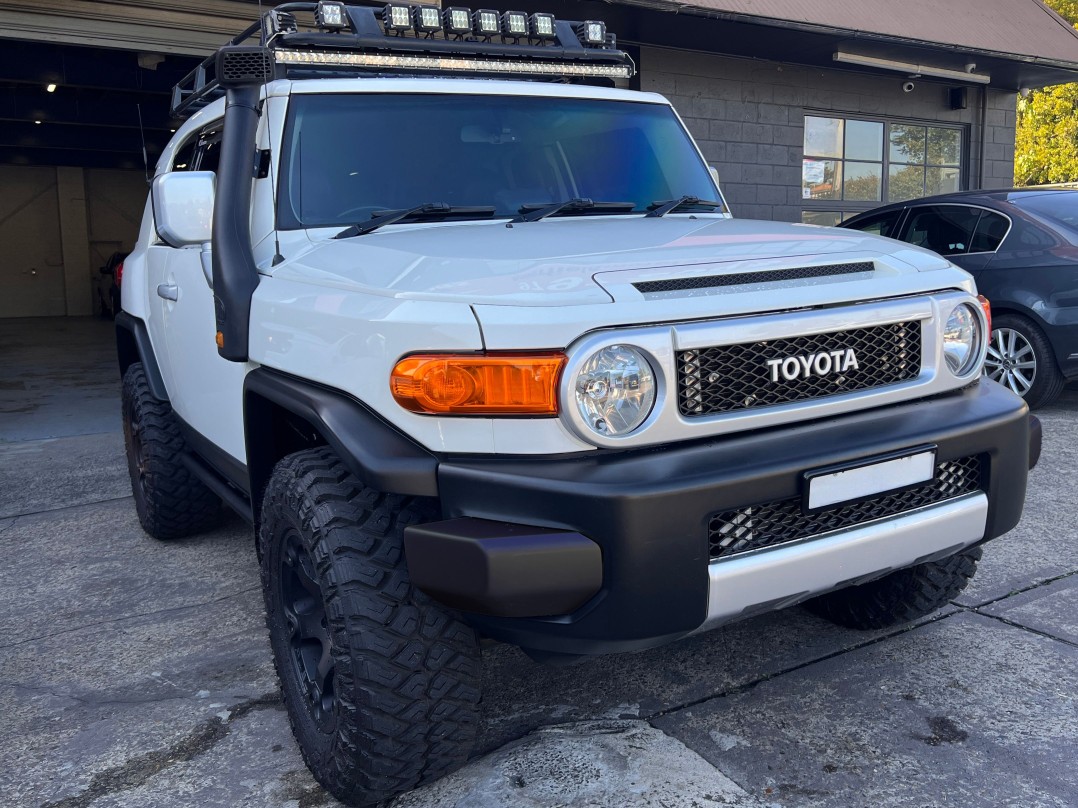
(206, 390)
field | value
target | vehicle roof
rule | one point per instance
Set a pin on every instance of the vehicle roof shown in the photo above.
(459, 86)
(979, 196)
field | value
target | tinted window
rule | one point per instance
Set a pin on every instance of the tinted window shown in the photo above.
(209, 152)
(184, 158)
(1060, 208)
(882, 224)
(991, 230)
(946, 229)
(347, 156)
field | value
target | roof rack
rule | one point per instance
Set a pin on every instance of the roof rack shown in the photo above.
(346, 39)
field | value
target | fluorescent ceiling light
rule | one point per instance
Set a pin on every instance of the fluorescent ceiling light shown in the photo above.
(910, 68)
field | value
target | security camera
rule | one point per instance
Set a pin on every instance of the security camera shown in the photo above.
(970, 67)
(907, 86)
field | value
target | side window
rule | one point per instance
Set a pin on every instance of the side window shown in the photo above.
(882, 224)
(208, 157)
(945, 229)
(991, 230)
(184, 158)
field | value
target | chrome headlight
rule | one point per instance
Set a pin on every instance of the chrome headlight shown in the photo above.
(615, 390)
(962, 340)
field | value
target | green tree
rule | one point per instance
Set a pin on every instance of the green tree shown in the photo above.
(1046, 142)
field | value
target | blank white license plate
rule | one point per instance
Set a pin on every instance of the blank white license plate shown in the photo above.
(866, 481)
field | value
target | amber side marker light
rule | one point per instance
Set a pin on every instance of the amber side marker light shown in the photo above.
(987, 313)
(478, 384)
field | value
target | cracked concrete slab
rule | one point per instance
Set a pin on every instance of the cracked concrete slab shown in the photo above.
(1051, 609)
(55, 473)
(1043, 546)
(963, 711)
(79, 705)
(519, 694)
(93, 563)
(597, 763)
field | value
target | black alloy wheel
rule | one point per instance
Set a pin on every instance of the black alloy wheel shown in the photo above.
(309, 641)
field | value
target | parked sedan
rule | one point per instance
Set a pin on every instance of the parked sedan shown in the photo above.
(1022, 247)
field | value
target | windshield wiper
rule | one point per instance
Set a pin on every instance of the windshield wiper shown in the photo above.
(426, 210)
(533, 213)
(660, 209)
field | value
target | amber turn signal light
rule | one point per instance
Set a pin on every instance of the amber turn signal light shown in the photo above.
(478, 384)
(987, 313)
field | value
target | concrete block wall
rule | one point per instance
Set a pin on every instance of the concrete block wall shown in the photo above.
(748, 117)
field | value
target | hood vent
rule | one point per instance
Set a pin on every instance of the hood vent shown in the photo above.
(767, 276)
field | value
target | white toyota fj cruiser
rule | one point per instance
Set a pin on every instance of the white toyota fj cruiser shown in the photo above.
(477, 348)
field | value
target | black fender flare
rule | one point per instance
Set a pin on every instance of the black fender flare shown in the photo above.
(378, 454)
(133, 345)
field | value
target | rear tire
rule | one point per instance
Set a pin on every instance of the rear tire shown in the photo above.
(381, 683)
(170, 501)
(1021, 358)
(901, 597)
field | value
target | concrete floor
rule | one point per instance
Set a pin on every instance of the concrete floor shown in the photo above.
(136, 673)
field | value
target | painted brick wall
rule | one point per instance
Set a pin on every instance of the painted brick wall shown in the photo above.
(748, 117)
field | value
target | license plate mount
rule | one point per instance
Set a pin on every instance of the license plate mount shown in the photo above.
(861, 480)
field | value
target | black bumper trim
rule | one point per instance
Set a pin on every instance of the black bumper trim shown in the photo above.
(502, 569)
(648, 510)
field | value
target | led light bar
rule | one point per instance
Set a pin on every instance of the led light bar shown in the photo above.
(427, 19)
(515, 24)
(449, 63)
(486, 22)
(397, 17)
(331, 16)
(541, 25)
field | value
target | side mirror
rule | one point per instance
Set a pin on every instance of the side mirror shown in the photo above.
(183, 206)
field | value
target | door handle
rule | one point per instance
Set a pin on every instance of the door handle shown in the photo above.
(169, 291)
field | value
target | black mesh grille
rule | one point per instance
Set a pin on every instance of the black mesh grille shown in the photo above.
(759, 526)
(244, 65)
(737, 377)
(773, 276)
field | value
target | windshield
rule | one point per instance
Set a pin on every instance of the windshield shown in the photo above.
(348, 156)
(1059, 207)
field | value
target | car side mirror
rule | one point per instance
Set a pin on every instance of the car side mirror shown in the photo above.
(183, 206)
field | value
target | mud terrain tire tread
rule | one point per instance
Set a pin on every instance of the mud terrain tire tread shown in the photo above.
(171, 502)
(406, 670)
(900, 597)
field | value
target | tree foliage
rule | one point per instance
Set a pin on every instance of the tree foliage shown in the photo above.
(1046, 142)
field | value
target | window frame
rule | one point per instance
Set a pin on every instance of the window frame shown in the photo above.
(849, 208)
(982, 209)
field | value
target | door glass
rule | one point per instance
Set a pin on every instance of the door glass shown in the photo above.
(991, 230)
(824, 218)
(882, 224)
(946, 229)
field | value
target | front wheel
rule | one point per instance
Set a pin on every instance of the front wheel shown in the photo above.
(1020, 357)
(381, 683)
(900, 597)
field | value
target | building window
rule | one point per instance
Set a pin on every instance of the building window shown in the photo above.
(851, 165)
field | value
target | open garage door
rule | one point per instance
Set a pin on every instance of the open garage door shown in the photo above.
(84, 84)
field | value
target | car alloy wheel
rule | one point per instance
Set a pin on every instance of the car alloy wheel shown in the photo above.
(309, 640)
(1011, 360)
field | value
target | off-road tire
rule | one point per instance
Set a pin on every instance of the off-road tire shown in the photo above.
(405, 676)
(171, 502)
(901, 597)
(1048, 381)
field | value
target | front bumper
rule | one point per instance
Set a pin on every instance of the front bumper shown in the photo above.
(647, 513)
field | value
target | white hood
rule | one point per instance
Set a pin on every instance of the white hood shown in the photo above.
(554, 262)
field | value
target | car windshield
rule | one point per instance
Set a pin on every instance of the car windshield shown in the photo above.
(347, 157)
(1058, 207)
